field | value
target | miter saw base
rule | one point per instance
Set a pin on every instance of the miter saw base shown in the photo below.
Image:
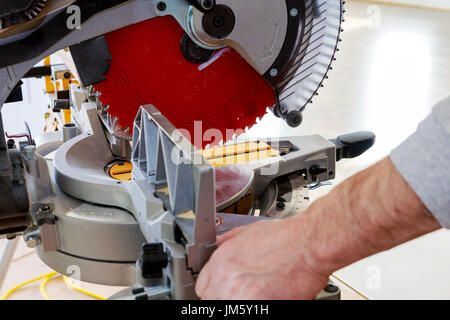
(87, 223)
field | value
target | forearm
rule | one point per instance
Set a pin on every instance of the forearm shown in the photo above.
(370, 212)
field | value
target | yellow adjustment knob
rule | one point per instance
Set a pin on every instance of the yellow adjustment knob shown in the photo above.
(121, 171)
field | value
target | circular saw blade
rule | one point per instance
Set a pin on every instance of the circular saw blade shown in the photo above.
(211, 101)
(312, 56)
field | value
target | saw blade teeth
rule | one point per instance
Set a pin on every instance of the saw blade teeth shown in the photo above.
(294, 82)
(103, 110)
(35, 9)
(92, 93)
(109, 120)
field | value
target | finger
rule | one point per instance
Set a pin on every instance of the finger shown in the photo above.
(230, 234)
(203, 280)
(215, 289)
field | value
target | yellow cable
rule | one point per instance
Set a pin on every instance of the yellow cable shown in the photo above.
(88, 293)
(10, 291)
(44, 284)
(42, 287)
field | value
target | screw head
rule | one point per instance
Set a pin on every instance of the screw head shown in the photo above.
(207, 4)
(273, 72)
(11, 143)
(293, 12)
(331, 288)
(45, 208)
(161, 6)
(280, 205)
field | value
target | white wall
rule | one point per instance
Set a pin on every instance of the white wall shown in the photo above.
(438, 4)
(32, 109)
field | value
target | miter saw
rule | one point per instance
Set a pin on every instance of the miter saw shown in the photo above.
(141, 175)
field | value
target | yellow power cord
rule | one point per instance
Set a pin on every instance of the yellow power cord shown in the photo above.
(42, 287)
(10, 291)
(85, 292)
(43, 284)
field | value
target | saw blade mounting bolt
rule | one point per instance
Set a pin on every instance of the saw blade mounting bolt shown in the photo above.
(219, 22)
(194, 53)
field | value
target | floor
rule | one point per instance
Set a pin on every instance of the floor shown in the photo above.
(393, 66)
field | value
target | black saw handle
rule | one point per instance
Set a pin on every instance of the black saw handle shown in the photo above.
(353, 144)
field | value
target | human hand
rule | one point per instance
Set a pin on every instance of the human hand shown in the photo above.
(265, 260)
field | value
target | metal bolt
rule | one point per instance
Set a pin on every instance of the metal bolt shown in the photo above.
(45, 214)
(31, 242)
(207, 4)
(294, 118)
(293, 12)
(273, 72)
(32, 237)
(46, 208)
(161, 6)
(331, 288)
(30, 151)
(11, 144)
(280, 205)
